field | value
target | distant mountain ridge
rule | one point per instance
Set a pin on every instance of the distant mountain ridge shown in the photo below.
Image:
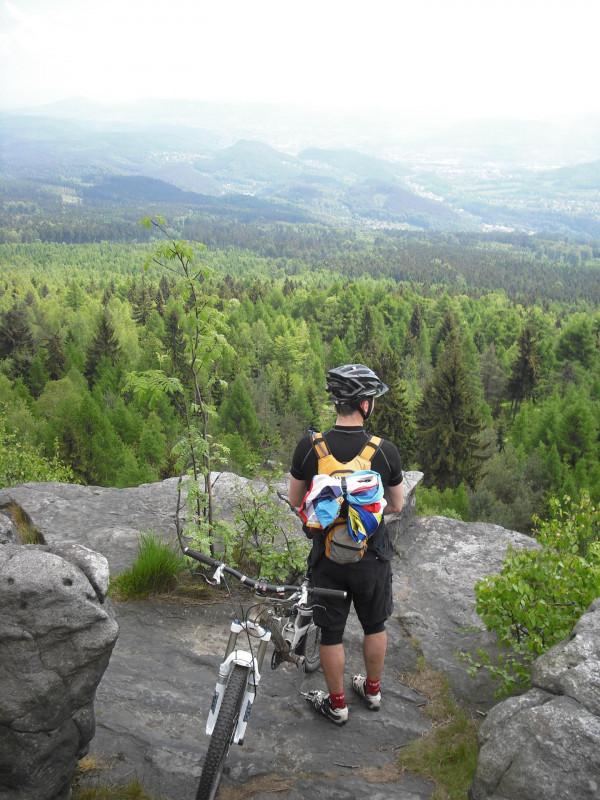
(78, 161)
(353, 162)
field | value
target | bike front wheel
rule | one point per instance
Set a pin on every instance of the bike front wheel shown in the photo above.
(310, 648)
(222, 735)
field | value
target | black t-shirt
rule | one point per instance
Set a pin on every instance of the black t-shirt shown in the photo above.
(346, 442)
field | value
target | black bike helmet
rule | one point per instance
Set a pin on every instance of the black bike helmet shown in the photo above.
(352, 383)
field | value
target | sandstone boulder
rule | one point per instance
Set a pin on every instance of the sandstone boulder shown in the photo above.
(545, 744)
(57, 631)
(439, 562)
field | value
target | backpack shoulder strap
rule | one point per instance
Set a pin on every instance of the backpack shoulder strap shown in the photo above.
(370, 448)
(320, 445)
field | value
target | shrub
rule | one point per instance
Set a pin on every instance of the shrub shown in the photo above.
(264, 541)
(155, 570)
(20, 462)
(261, 541)
(539, 594)
(452, 503)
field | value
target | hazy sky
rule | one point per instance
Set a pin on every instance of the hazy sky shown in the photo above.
(457, 57)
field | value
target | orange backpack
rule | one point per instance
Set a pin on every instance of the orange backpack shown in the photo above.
(339, 545)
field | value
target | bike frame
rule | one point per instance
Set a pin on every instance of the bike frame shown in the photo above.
(253, 664)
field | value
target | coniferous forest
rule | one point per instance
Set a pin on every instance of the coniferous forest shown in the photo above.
(491, 347)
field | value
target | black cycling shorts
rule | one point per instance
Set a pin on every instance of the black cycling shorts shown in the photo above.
(368, 583)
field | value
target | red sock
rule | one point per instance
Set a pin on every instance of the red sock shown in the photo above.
(337, 700)
(372, 687)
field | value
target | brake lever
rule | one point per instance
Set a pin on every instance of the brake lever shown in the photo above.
(217, 576)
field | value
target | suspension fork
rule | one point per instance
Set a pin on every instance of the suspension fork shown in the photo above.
(237, 627)
(253, 665)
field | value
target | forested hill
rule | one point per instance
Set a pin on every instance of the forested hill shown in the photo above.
(496, 399)
(137, 189)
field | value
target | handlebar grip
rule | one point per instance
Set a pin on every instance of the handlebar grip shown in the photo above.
(328, 592)
(201, 557)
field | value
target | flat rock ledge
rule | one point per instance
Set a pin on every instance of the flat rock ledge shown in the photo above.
(110, 521)
(57, 631)
(545, 744)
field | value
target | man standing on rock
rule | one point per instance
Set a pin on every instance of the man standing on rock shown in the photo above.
(368, 579)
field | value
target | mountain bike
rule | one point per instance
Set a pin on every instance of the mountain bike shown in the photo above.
(286, 622)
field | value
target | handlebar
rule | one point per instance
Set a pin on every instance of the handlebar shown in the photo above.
(261, 586)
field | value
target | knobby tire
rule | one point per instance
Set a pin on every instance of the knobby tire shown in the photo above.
(310, 648)
(222, 734)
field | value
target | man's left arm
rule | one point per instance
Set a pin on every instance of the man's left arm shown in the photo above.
(394, 493)
(296, 491)
(395, 499)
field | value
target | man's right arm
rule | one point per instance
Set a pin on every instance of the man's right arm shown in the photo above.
(300, 471)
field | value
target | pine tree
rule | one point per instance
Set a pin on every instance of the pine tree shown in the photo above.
(386, 362)
(174, 342)
(578, 428)
(109, 291)
(36, 377)
(132, 291)
(159, 301)
(142, 304)
(416, 322)
(576, 342)
(103, 345)
(164, 287)
(493, 379)
(152, 447)
(315, 405)
(238, 414)
(16, 339)
(338, 353)
(131, 472)
(368, 341)
(75, 296)
(394, 418)
(449, 424)
(525, 369)
(55, 357)
(447, 329)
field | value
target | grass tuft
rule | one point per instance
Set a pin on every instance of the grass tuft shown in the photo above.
(154, 571)
(131, 791)
(89, 764)
(26, 530)
(447, 754)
